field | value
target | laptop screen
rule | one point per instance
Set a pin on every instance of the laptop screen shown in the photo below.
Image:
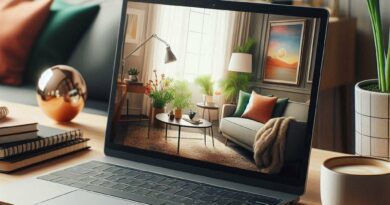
(219, 89)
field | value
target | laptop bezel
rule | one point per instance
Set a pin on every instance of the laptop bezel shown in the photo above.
(215, 170)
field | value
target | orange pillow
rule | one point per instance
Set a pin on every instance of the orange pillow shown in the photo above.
(259, 107)
(21, 21)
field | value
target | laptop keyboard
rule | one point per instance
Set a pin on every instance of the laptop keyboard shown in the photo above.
(150, 188)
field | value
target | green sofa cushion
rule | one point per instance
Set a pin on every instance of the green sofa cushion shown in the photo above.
(65, 27)
(280, 107)
(243, 100)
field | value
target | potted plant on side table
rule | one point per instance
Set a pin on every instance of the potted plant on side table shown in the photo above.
(181, 98)
(372, 98)
(161, 93)
(133, 74)
(207, 86)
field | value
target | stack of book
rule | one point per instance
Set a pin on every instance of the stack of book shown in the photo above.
(23, 143)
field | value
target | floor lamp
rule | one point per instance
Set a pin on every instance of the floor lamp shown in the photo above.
(169, 56)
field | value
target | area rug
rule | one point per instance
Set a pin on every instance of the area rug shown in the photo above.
(191, 145)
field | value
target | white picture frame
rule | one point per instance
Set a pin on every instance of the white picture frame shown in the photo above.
(134, 25)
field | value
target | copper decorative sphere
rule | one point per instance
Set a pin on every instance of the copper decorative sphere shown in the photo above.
(61, 93)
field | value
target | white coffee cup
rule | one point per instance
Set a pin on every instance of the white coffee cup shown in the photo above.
(355, 180)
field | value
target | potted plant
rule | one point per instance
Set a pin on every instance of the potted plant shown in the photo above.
(372, 98)
(236, 81)
(133, 74)
(206, 84)
(181, 98)
(161, 93)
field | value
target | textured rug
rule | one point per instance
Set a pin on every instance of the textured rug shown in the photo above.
(191, 145)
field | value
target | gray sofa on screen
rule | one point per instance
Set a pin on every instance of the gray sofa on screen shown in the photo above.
(93, 58)
(243, 131)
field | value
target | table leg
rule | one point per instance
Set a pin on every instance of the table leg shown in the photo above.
(204, 133)
(212, 134)
(209, 118)
(127, 108)
(166, 132)
(203, 113)
(178, 141)
(148, 128)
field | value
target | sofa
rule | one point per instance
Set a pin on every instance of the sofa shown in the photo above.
(93, 58)
(243, 131)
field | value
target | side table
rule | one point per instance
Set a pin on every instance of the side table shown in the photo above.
(207, 107)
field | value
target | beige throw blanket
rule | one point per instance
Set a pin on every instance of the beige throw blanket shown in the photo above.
(269, 145)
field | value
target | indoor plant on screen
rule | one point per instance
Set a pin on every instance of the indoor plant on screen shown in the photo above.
(161, 93)
(237, 79)
(181, 98)
(207, 86)
(372, 98)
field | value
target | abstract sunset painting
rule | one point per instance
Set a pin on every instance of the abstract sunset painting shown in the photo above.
(283, 52)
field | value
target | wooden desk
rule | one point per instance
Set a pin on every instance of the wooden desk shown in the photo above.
(94, 127)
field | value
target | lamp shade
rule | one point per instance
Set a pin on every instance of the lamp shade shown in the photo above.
(241, 62)
(169, 56)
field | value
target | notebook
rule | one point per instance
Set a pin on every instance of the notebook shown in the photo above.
(47, 136)
(18, 137)
(9, 126)
(20, 161)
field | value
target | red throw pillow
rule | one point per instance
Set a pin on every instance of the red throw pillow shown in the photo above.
(260, 107)
(21, 21)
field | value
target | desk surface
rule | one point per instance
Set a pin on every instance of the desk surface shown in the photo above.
(94, 127)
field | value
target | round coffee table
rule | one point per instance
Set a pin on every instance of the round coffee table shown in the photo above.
(164, 118)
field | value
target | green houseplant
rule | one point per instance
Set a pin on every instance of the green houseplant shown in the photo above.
(207, 86)
(181, 97)
(236, 81)
(133, 74)
(372, 97)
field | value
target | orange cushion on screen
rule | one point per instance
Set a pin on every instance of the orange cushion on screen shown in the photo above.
(259, 107)
(20, 22)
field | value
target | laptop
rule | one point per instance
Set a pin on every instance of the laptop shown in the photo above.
(217, 157)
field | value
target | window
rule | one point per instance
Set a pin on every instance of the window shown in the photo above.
(198, 50)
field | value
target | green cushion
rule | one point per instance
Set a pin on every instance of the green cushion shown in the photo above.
(243, 100)
(65, 27)
(280, 107)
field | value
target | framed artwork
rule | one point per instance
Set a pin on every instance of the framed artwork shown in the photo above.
(283, 51)
(134, 25)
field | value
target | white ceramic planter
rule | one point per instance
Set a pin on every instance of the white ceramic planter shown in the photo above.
(372, 122)
(209, 99)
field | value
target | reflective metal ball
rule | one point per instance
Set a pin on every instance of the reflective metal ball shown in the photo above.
(61, 93)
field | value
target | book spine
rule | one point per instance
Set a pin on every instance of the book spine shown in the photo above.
(45, 142)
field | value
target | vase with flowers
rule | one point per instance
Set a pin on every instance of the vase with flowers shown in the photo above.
(160, 91)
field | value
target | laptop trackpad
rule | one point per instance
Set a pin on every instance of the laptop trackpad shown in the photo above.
(85, 197)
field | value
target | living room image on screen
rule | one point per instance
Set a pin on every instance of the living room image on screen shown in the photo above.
(222, 87)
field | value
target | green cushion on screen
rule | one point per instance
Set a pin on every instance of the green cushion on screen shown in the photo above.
(280, 107)
(243, 99)
(65, 27)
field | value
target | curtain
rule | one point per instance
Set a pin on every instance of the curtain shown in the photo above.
(222, 31)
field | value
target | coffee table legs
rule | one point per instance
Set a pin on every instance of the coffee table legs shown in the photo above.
(178, 141)
(212, 134)
(166, 132)
(204, 132)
